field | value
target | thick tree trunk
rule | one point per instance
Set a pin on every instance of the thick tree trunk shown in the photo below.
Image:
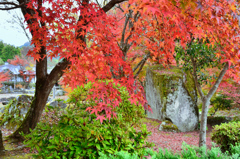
(1, 142)
(46, 81)
(35, 111)
(44, 85)
(203, 124)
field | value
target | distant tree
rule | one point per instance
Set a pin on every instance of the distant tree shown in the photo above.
(25, 72)
(1, 62)
(24, 51)
(1, 47)
(9, 52)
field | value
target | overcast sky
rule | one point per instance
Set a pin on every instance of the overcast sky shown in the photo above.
(8, 34)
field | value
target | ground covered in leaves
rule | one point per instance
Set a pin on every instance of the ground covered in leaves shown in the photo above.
(171, 140)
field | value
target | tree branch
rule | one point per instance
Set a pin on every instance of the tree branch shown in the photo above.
(195, 79)
(57, 71)
(216, 84)
(11, 3)
(141, 64)
(111, 4)
(144, 59)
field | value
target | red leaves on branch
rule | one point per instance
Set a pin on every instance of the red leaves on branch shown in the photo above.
(3, 77)
(87, 37)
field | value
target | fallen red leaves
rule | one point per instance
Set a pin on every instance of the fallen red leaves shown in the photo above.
(173, 141)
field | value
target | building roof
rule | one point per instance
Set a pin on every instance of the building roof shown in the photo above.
(13, 68)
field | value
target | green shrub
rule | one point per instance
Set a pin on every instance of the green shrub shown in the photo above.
(217, 120)
(226, 134)
(189, 152)
(220, 103)
(76, 133)
(15, 111)
(1, 62)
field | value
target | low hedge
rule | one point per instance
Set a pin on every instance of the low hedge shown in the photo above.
(226, 134)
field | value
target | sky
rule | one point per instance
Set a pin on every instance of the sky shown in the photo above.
(9, 34)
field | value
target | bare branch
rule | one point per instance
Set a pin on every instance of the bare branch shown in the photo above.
(195, 78)
(98, 3)
(141, 64)
(119, 7)
(13, 5)
(111, 4)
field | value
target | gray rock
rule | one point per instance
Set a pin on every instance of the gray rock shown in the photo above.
(60, 93)
(172, 95)
(58, 103)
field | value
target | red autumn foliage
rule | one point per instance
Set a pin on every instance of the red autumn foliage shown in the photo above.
(90, 42)
(27, 75)
(3, 77)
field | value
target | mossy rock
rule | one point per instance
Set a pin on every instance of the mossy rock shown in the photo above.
(168, 127)
(15, 111)
(172, 94)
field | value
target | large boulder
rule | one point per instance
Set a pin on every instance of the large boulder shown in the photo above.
(172, 96)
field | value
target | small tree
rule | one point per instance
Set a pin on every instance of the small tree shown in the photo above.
(196, 58)
(9, 52)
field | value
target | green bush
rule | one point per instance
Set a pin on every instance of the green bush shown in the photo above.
(220, 103)
(226, 134)
(1, 62)
(217, 120)
(189, 152)
(15, 111)
(77, 134)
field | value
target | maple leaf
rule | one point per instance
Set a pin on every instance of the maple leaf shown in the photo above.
(101, 118)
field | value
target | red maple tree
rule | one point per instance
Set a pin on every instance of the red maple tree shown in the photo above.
(86, 39)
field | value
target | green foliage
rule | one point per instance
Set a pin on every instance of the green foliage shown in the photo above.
(220, 103)
(9, 52)
(217, 120)
(1, 62)
(76, 133)
(189, 152)
(202, 54)
(226, 134)
(15, 111)
(31, 85)
(1, 48)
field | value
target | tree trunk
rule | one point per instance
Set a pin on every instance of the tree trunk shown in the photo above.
(44, 85)
(46, 81)
(1, 141)
(34, 113)
(203, 124)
